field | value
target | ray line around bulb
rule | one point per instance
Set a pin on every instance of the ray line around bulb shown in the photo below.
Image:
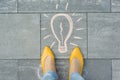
(66, 6)
(53, 43)
(43, 29)
(46, 36)
(77, 37)
(57, 5)
(73, 44)
(45, 15)
(79, 19)
(80, 29)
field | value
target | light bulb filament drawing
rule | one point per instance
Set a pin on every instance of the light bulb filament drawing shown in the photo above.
(61, 34)
(62, 43)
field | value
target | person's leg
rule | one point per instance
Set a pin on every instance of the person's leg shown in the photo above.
(76, 65)
(74, 70)
(50, 70)
(48, 65)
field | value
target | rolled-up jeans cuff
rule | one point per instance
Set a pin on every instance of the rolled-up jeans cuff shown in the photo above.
(50, 75)
(76, 76)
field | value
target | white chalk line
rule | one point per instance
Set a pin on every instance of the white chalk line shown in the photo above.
(80, 29)
(46, 36)
(79, 19)
(66, 6)
(38, 73)
(43, 29)
(77, 37)
(45, 15)
(53, 43)
(57, 5)
(73, 44)
(61, 30)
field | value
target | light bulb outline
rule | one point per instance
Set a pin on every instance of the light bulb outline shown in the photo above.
(69, 31)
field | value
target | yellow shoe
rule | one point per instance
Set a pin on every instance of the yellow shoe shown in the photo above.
(46, 52)
(76, 53)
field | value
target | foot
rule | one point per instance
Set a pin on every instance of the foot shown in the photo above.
(75, 66)
(49, 64)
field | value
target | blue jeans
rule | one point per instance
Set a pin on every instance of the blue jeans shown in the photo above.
(50, 75)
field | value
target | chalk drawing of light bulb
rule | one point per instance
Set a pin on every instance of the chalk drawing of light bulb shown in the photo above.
(62, 48)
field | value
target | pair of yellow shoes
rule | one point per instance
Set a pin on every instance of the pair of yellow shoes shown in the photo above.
(76, 53)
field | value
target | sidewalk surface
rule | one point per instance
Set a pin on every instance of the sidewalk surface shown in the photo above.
(26, 26)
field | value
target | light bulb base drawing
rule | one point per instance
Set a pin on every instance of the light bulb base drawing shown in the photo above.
(62, 49)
